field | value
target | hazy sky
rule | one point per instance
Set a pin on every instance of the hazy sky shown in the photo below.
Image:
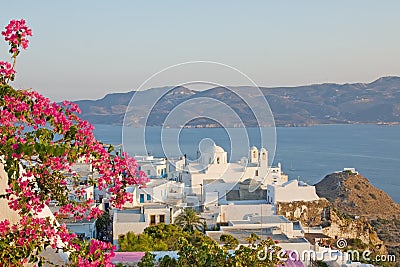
(86, 49)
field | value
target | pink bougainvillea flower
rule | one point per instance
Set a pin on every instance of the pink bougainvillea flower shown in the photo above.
(40, 142)
(6, 70)
(16, 33)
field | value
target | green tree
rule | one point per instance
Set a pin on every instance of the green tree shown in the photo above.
(166, 233)
(167, 261)
(252, 239)
(148, 260)
(263, 253)
(190, 221)
(140, 242)
(154, 238)
(103, 222)
(206, 253)
(230, 242)
(197, 249)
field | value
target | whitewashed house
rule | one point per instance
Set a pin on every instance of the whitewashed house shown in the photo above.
(84, 229)
(153, 167)
(137, 219)
(160, 191)
(292, 190)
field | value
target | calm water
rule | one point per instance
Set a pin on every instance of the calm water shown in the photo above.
(305, 152)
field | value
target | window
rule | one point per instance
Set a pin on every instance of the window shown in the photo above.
(148, 172)
(256, 172)
(141, 198)
(217, 160)
(162, 218)
(152, 219)
(148, 197)
(264, 156)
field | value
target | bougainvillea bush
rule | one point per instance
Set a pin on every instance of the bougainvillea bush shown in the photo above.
(40, 140)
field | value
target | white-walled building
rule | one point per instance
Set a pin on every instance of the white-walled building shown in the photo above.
(289, 235)
(292, 190)
(84, 229)
(159, 191)
(213, 176)
(244, 211)
(136, 220)
(240, 210)
(153, 167)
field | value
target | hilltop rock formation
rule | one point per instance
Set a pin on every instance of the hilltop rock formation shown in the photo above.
(353, 196)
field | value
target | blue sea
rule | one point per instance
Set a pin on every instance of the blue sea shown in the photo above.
(306, 153)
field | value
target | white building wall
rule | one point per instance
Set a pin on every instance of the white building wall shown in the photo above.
(219, 188)
(160, 193)
(211, 199)
(258, 169)
(285, 227)
(243, 212)
(299, 247)
(124, 228)
(291, 191)
(89, 229)
(152, 167)
(157, 213)
(90, 192)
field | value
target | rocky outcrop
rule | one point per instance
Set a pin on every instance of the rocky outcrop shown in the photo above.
(310, 213)
(334, 224)
(349, 228)
(353, 194)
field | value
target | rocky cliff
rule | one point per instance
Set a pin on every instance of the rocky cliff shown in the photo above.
(353, 196)
(334, 224)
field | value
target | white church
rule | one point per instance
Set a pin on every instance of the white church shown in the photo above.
(212, 180)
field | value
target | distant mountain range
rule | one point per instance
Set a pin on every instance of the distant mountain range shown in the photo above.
(377, 102)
